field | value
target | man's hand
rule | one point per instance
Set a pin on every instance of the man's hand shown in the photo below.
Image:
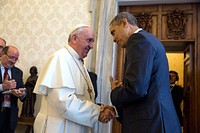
(106, 113)
(114, 84)
(19, 92)
(8, 84)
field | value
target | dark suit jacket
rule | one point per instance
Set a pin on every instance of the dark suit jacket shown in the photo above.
(144, 102)
(177, 96)
(93, 78)
(17, 74)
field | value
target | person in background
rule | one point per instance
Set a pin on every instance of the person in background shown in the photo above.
(177, 94)
(67, 93)
(29, 104)
(143, 101)
(2, 45)
(93, 78)
(11, 89)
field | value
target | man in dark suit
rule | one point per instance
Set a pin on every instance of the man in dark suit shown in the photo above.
(11, 88)
(144, 102)
(93, 78)
(177, 94)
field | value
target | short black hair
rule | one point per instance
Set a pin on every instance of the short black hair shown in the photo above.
(177, 78)
(129, 16)
(173, 72)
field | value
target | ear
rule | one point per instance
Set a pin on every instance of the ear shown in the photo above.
(73, 37)
(124, 22)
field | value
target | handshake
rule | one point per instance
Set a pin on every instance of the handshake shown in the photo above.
(106, 113)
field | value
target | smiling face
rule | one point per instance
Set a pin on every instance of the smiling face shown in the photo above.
(10, 57)
(82, 41)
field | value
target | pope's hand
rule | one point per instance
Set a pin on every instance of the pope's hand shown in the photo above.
(106, 113)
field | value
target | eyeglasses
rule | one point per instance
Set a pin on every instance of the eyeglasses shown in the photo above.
(1, 47)
(12, 57)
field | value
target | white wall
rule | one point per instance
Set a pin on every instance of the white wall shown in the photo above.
(38, 28)
(139, 2)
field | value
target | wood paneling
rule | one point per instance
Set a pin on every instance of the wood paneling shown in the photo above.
(159, 18)
(192, 36)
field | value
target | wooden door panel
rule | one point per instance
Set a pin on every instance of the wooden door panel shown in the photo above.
(159, 18)
(159, 28)
(189, 95)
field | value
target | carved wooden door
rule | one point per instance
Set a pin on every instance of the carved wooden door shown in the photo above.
(188, 101)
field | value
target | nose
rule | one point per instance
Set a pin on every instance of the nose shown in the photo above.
(91, 45)
(114, 39)
(13, 61)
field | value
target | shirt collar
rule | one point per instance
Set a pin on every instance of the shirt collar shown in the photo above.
(2, 67)
(73, 52)
(172, 85)
(139, 29)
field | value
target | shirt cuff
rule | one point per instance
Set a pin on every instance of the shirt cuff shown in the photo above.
(117, 115)
(1, 87)
(22, 97)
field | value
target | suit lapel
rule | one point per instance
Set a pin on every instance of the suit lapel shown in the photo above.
(13, 73)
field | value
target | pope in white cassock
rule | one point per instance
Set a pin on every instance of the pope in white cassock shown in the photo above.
(67, 104)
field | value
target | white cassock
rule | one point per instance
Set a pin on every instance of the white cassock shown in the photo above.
(66, 105)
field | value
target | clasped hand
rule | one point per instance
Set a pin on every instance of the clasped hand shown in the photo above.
(8, 84)
(106, 113)
(18, 92)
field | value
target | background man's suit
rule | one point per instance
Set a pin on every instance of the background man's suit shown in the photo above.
(177, 96)
(93, 78)
(17, 75)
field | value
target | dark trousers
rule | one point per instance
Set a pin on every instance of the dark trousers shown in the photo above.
(5, 128)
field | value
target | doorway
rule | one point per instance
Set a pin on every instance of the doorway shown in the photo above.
(181, 59)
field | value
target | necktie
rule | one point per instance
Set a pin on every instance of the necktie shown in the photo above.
(6, 101)
(5, 73)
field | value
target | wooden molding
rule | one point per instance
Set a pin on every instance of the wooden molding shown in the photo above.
(176, 22)
(144, 20)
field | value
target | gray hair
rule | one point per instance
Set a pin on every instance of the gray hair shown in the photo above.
(129, 16)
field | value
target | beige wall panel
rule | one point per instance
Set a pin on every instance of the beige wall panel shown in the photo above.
(38, 28)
